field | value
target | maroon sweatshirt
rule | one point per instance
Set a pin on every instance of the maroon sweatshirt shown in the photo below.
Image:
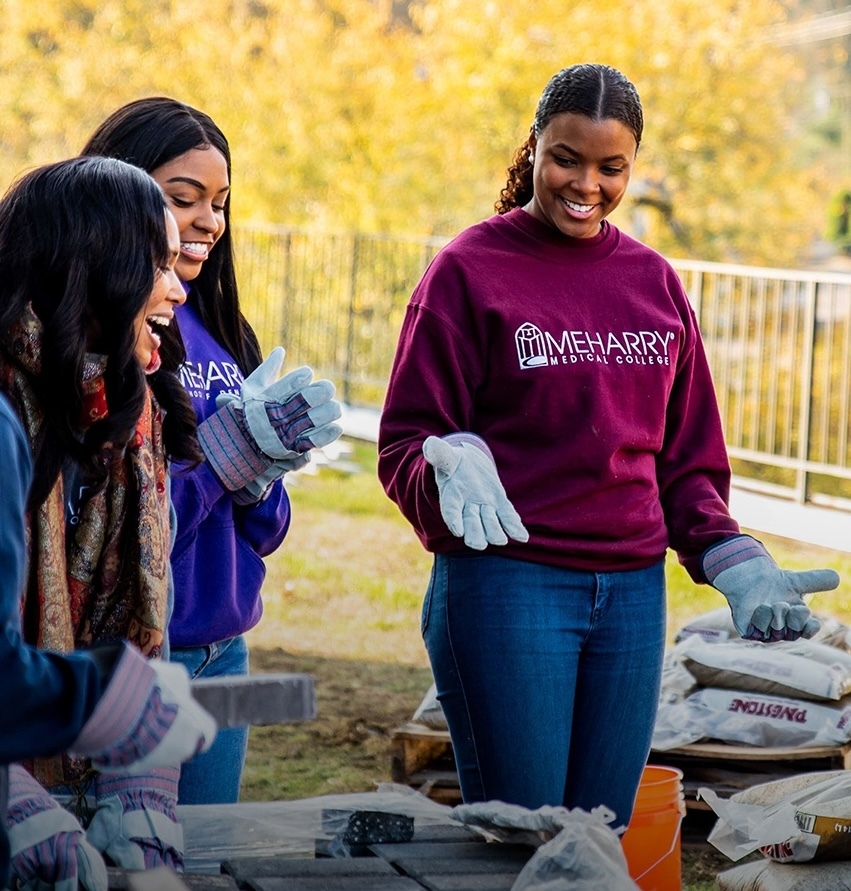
(580, 364)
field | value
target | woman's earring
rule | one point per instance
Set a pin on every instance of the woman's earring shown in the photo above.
(532, 156)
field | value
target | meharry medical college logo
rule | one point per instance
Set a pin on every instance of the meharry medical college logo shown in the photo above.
(531, 348)
(536, 348)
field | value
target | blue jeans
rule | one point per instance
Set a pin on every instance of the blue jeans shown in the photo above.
(549, 678)
(214, 777)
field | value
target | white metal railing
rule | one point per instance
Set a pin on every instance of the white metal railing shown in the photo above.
(778, 342)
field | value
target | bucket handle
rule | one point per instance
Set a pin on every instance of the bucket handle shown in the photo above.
(666, 854)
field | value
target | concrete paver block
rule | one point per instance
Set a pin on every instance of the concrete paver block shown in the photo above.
(334, 883)
(502, 881)
(164, 879)
(258, 699)
(456, 851)
(426, 870)
(444, 833)
(303, 867)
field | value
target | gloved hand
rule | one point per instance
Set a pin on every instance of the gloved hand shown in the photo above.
(146, 718)
(48, 846)
(473, 502)
(267, 430)
(135, 824)
(254, 491)
(766, 602)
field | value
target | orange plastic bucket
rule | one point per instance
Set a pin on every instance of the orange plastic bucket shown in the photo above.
(651, 842)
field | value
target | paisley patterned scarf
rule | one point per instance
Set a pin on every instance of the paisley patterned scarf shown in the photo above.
(107, 577)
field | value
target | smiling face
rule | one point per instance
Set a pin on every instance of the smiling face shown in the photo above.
(581, 171)
(166, 295)
(196, 187)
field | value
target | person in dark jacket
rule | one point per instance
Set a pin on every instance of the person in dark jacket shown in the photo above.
(107, 702)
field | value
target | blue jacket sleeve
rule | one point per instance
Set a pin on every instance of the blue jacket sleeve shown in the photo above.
(46, 698)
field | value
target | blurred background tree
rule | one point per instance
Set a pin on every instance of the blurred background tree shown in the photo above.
(401, 116)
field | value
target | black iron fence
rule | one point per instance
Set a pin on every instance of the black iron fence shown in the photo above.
(335, 302)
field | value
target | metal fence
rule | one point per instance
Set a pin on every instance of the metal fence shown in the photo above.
(779, 342)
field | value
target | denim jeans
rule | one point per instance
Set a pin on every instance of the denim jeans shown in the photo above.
(214, 777)
(549, 678)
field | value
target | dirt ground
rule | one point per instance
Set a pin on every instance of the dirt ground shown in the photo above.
(346, 749)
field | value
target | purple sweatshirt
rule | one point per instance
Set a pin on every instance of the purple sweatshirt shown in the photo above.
(217, 556)
(580, 364)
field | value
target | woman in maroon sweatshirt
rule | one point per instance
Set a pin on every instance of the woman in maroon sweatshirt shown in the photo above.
(550, 430)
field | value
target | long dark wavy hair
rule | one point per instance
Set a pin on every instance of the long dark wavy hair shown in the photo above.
(595, 91)
(80, 242)
(149, 133)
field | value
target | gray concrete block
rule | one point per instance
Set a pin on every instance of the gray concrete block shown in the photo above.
(334, 883)
(196, 881)
(257, 699)
(163, 879)
(424, 870)
(460, 850)
(446, 833)
(502, 881)
(325, 848)
(246, 868)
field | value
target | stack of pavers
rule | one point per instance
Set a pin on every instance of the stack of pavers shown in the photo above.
(375, 852)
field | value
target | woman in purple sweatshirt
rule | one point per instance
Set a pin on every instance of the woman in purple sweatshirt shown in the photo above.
(550, 429)
(232, 510)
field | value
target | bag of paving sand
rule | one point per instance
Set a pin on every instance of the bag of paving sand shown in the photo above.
(576, 850)
(429, 712)
(756, 719)
(717, 626)
(794, 820)
(801, 669)
(677, 681)
(713, 626)
(765, 875)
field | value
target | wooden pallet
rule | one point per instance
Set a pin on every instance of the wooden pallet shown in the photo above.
(422, 758)
(727, 769)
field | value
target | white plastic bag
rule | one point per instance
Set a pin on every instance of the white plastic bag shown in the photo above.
(794, 820)
(583, 852)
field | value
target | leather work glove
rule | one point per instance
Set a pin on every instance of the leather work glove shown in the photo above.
(473, 502)
(257, 437)
(146, 718)
(48, 846)
(766, 602)
(135, 823)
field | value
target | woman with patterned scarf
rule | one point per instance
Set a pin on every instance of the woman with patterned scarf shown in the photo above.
(77, 336)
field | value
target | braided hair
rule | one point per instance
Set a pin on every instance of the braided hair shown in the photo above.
(595, 91)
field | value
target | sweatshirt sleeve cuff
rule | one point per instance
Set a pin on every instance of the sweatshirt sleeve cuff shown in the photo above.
(471, 439)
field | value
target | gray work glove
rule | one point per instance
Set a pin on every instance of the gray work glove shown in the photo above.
(146, 718)
(766, 602)
(49, 848)
(135, 822)
(473, 502)
(270, 428)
